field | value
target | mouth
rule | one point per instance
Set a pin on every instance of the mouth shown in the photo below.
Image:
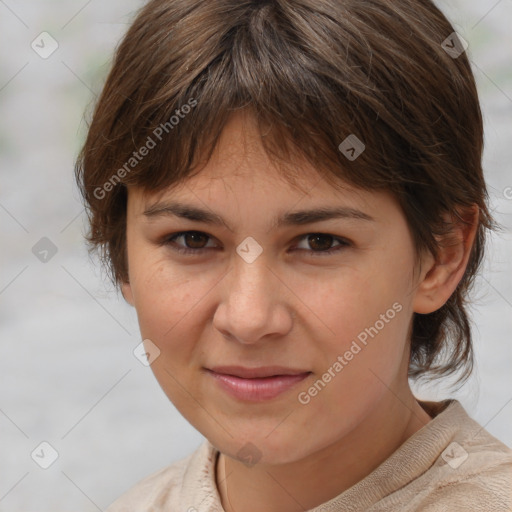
(256, 384)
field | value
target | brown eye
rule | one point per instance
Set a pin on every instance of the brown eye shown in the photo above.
(195, 239)
(192, 242)
(320, 244)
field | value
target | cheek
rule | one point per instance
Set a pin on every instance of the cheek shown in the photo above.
(350, 302)
(367, 310)
(168, 305)
(166, 299)
(359, 365)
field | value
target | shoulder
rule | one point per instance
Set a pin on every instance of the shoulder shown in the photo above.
(473, 472)
(451, 464)
(484, 486)
(171, 486)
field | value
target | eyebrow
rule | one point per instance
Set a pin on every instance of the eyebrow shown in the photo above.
(297, 218)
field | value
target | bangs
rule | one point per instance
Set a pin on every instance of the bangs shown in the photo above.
(305, 106)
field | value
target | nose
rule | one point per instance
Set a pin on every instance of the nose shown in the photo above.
(253, 303)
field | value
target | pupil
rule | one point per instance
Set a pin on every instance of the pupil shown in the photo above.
(194, 237)
(323, 247)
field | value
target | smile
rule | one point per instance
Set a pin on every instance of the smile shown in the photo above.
(257, 384)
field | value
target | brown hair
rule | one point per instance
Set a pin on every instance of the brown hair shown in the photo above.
(312, 72)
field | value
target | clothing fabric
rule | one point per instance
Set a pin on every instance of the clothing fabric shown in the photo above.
(452, 464)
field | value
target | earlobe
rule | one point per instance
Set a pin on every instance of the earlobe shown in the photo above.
(443, 274)
(126, 290)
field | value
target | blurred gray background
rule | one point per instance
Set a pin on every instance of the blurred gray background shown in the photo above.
(69, 376)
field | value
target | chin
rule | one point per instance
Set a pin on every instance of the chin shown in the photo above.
(252, 450)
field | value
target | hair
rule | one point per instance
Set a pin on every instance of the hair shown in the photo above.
(312, 73)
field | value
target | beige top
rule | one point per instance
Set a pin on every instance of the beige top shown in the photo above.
(452, 464)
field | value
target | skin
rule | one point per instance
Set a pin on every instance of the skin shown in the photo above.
(293, 307)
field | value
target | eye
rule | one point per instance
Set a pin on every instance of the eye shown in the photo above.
(196, 242)
(321, 244)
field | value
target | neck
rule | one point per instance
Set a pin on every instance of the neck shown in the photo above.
(309, 482)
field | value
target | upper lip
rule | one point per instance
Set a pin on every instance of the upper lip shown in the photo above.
(254, 373)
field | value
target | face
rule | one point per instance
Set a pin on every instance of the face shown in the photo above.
(271, 325)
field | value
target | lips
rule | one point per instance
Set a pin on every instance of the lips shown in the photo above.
(256, 384)
(256, 373)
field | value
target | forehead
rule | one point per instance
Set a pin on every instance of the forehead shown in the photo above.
(240, 156)
(240, 161)
(241, 180)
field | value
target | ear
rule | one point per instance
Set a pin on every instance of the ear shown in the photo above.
(440, 276)
(126, 290)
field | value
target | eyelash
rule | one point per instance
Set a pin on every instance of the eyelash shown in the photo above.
(170, 241)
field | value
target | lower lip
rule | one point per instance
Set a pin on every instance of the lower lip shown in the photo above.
(257, 390)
